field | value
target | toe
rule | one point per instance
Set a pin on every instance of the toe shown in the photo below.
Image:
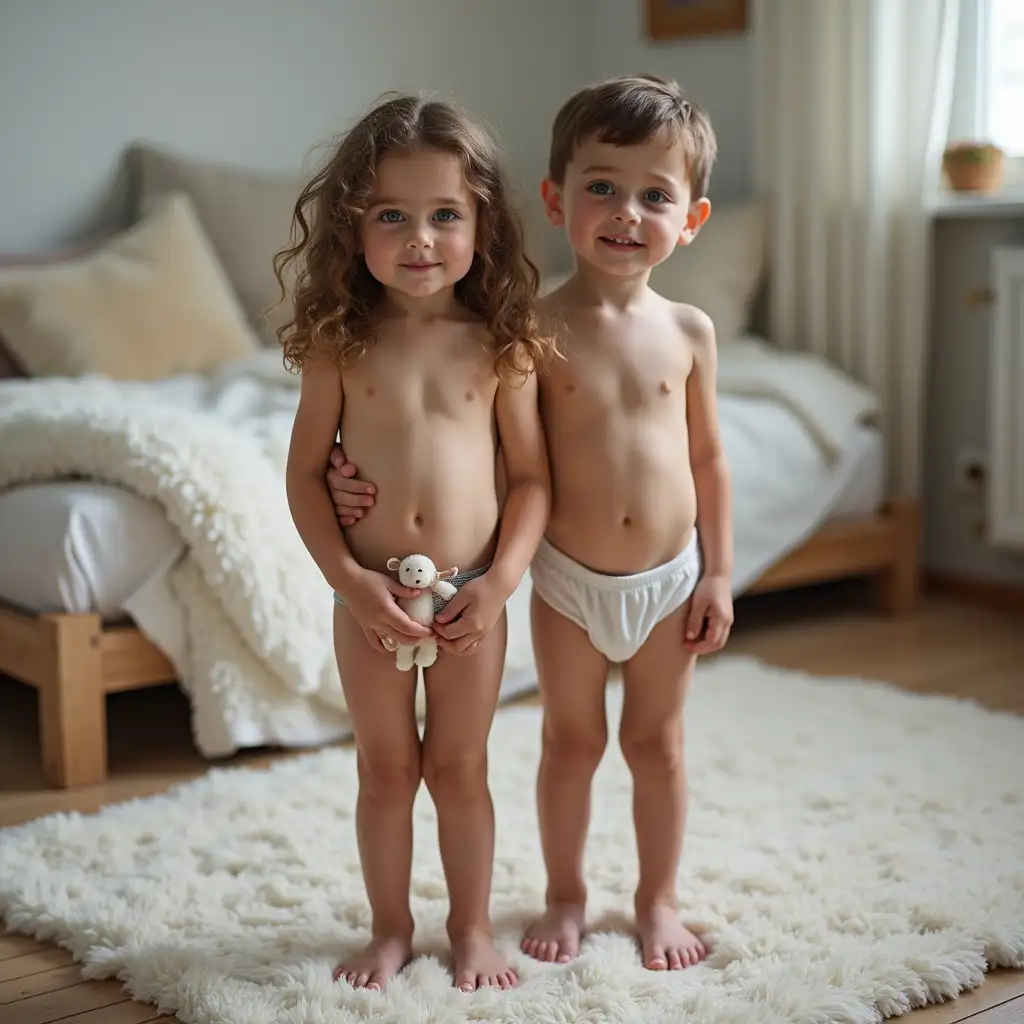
(465, 982)
(361, 980)
(376, 981)
(677, 959)
(656, 959)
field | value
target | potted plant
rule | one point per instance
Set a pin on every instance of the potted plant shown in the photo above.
(974, 166)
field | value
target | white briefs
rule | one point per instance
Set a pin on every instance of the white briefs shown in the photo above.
(618, 613)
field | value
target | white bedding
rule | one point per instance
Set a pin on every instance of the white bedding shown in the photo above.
(83, 545)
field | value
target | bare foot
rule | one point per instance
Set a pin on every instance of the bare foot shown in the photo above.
(555, 938)
(380, 961)
(666, 943)
(478, 964)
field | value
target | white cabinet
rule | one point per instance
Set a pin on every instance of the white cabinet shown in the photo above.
(1006, 401)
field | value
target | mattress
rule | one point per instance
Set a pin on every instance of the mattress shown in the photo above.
(864, 471)
(80, 546)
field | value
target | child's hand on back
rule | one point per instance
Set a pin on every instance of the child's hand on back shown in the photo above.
(470, 615)
(352, 497)
(711, 615)
(372, 599)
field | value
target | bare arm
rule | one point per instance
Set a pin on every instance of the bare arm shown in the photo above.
(313, 434)
(711, 610)
(707, 457)
(477, 606)
(527, 481)
(370, 596)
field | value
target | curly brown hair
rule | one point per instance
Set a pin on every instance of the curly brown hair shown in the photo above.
(334, 294)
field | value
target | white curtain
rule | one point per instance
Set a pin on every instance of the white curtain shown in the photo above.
(854, 101)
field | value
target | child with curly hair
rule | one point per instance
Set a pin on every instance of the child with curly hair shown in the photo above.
(414, 332)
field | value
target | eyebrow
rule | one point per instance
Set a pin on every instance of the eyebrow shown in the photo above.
(608, 169)
(440, 201)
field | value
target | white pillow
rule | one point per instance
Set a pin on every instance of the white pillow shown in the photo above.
(150, 302)
(720, 271)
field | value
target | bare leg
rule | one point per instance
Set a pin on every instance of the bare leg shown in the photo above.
(381, 701)
(655, 684)
(462, 693)
(572, 682)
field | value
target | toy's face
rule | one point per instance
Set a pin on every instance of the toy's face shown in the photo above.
(416, 571)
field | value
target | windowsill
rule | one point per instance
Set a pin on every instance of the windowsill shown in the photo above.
(1008, 202)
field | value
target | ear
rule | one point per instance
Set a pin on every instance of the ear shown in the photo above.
(394, 563)
(448, 574)
(551, 194)
(695, 220)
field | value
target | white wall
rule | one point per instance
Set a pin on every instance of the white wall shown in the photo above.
(716, 71)
(252, 82)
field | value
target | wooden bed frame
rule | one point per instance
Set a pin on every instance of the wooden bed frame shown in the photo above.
(75, 660)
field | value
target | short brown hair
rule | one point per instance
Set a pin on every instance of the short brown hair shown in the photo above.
(334, 297)
(630, 110)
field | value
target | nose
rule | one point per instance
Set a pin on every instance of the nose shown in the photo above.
(420, 236)
(627, 212)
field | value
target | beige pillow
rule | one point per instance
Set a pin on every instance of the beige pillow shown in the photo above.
(720, 272)
(149, 303)
(247, 215)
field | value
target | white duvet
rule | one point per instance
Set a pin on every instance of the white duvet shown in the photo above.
(258, 661)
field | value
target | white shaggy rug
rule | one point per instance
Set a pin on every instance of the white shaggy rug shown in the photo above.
(853, 851)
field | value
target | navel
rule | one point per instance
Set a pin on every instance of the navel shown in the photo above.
(417, 520)
(665, 389)
(371, 391)
(570, 389)
(627, 521)
(469, 396)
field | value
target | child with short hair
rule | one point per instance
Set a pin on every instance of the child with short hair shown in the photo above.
(636, 563)
(415, 333)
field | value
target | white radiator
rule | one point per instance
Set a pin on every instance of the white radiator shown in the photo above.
(1006, 402)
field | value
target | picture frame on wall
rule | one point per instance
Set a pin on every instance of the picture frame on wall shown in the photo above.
(689, 19)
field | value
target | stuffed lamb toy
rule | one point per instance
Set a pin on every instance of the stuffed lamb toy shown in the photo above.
(419, 573)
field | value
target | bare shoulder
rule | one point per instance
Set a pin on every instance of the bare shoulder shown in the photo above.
(696, 326)
(320, 370)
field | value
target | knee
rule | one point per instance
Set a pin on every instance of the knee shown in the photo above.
(654, 751)
(456, 778)
(389, 776)
(571, 748)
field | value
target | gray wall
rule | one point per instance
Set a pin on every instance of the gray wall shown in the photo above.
(718, 72)
(252, 82)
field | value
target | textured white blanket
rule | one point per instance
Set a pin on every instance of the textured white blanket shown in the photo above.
(211, 452)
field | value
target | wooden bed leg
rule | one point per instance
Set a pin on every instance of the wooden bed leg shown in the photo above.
(899, 584)
(72, 703)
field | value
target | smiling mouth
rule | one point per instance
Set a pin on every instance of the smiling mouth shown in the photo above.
(621, 242)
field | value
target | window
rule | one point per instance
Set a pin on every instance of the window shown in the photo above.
(1001, 84)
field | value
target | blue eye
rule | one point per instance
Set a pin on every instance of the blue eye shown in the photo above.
(655, 195)
(446, 216)
(391, 217)
(600, 188)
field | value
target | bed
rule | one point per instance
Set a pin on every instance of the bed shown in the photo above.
(87, 605)
(111, 581)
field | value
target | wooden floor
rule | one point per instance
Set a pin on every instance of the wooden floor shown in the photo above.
(946, 647)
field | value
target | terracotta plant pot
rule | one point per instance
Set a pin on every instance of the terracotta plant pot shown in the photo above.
(974, 167)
